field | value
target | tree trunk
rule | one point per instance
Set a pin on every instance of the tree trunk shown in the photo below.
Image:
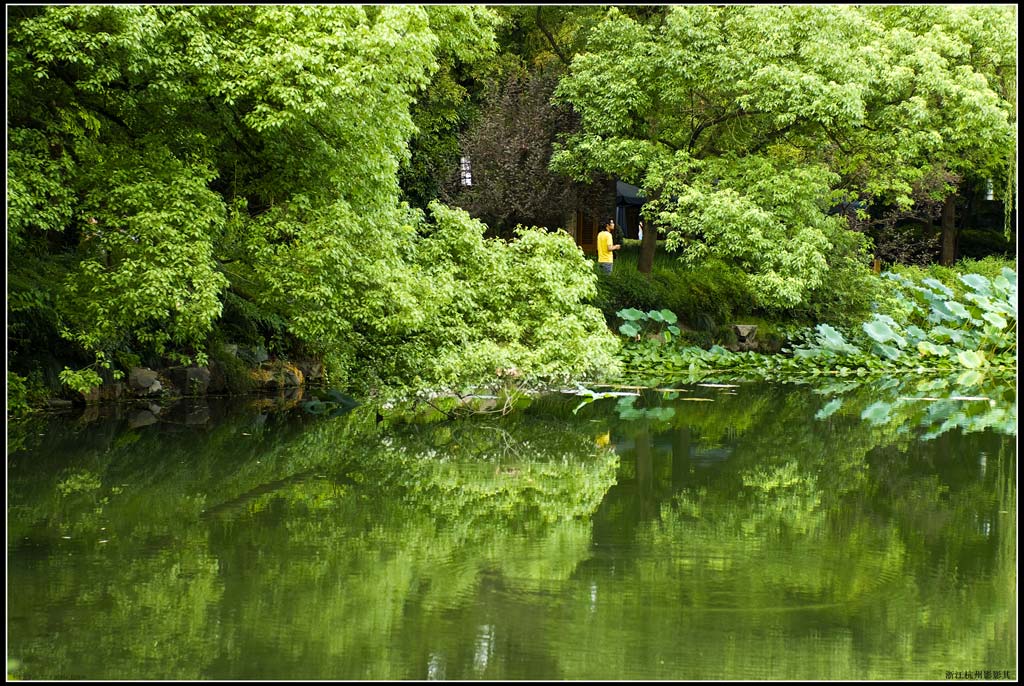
(645, 475)
(948, 255)
(680, 457)
(647, 247)
(649, 244)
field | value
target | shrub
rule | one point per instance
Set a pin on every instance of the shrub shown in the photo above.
(712, 291)
(626, 288)
(703, 297)
(17, 395)
(487, 307)
(697, 339)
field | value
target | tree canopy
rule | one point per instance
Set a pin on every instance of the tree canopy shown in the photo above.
(746, 124)
(192, 165)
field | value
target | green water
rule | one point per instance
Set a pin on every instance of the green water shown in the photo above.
(748, 532)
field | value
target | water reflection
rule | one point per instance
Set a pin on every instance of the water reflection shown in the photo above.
(734, 532)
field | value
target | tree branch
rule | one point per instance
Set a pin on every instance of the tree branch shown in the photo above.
(551, 39)
(717, 120)
(771, 137)
(239, 144)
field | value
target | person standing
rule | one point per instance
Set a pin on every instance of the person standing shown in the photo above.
(605, 246)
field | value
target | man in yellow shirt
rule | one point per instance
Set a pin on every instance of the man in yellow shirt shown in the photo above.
(605, 246)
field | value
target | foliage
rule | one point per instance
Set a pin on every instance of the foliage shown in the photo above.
(148, 251)
(940, 99)
(17, 395)
(183, 177)
(981, 323)
(448, 104)
(710, 294)
(766, 218)
(231, 174)
(703, 296)
(924, 329)
(989, 267)
(655, 324)
(509, 147)
(744, 150)
(81, 380)
(189, 139)
(496, 305)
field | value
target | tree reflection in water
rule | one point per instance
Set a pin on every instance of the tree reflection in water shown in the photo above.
(744, 534)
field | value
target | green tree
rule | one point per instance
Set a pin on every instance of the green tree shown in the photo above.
(190, 148)
(192, 163)
(943, 105)
(448, 105)
(746, 124)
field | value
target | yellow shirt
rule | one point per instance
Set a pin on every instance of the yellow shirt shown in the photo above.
(604, 247)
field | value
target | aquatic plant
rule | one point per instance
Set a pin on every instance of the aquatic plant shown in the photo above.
(926, 329)
(656, 324)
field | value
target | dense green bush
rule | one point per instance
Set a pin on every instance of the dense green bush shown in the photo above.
(625, 287)
(17, 394)
(846, 298)
(989, 267)
(704, 297)
(712, 293)
(178, 162)
(712, 296)
(490, 308)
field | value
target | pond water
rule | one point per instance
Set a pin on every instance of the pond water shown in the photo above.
(704, 532)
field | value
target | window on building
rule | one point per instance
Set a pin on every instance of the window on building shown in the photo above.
(465, 172)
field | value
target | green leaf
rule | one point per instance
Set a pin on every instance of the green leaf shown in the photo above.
(946, 333)
(938, 285)
(978, 282)
(958, 309)
(831, 338)
(669, 316)
(631, 314)
(888, 351)
(916, 333)
(629, 329)
(971, 359)
(995, 320)
(940, 312)
(882, 332)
